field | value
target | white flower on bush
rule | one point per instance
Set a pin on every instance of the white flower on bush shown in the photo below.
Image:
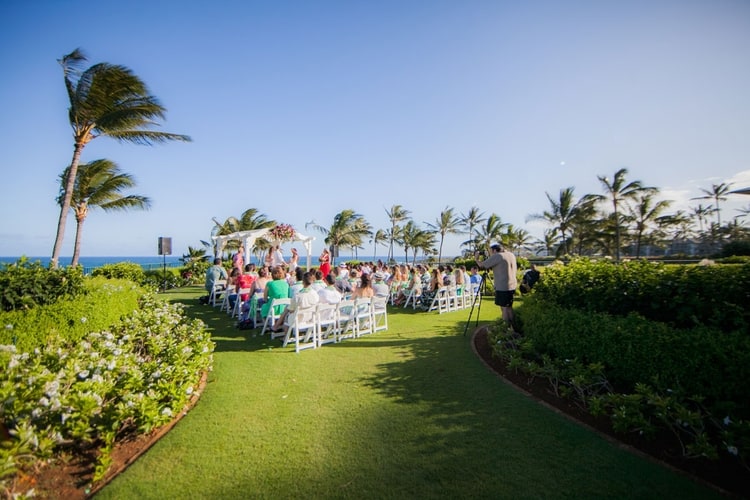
(83, 375)
(84, 319)
(8, 326)
(43, 401)
(733, 450)
(156, 374)
(167, 411)
(189, 390)
(727, 420)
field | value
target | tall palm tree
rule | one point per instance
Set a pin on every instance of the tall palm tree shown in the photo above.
(618, 190)
(347, 231)
(396, 214)
(424, 241)
(491, 230)
(560, 215)
(379, 237)
(718, 193)
(701, 214)
(447, 223)
(515, 238)
(470, 220)
(98, 184)
(645, 213)
(105, 100)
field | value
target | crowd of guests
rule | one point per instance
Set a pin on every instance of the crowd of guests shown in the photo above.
(332, 284)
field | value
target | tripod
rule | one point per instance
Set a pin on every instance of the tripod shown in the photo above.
(477, 298)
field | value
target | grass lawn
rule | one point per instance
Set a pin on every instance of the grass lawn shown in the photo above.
(409, 412)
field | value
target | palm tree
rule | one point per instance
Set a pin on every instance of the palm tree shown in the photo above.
(396, 214)
(105, 100)
(718, 193)
(98, 184)
(471, 220)
(560, 216)
(447, 223)
(379, 237)
(347, 231)
(491, 231)
(701, 213)
(424, 241)
(250, 220)
(644, 213)
(515, 238)
(618, 192)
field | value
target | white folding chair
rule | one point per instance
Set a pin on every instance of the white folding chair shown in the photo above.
(238, 303)
(451, 298)
(347, 324)
(225, 304)
(379, 314)
(301, 327)
(413, 297)
(327, 323)
(439, 301)
(270, 320)
(216, 292)
(363, 316)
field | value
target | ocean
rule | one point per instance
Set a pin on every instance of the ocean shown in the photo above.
(156, 262)
(90, 263)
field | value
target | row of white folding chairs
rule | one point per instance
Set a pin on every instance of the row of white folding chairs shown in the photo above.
(454, 298)
(326, 323)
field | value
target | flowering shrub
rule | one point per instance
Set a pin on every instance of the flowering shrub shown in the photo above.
(282, 232)
(71, 396)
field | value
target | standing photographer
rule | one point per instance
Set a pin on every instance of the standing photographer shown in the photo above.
(503, 265)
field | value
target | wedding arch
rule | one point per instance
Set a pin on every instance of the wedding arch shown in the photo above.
(248, 240)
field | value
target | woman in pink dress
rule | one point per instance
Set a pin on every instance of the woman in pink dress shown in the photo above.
(325, 262)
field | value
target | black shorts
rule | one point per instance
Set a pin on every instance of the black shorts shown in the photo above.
(504, 298)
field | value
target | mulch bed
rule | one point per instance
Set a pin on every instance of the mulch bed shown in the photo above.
(727, 476)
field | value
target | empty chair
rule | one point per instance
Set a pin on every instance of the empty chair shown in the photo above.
(274, 312)
(363, 316)
(347, 324)
(301, 327)
(327, 323)
(217, 292)
(379, 313)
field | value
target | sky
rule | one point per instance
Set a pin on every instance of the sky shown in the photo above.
(302, 109)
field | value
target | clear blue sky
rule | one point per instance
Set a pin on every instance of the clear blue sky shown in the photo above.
(302, 109)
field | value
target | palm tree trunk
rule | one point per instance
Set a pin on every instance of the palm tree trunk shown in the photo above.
(77, 246)
(65, 205)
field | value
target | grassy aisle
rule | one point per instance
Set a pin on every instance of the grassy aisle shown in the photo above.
(409, 412)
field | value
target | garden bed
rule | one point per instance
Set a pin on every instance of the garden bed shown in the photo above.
(725, 475)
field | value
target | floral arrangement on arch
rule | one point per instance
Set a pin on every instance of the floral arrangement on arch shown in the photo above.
(282, 232)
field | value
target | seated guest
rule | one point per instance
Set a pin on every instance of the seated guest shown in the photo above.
(298, 283)
(436, 283)
(364, 289)
(342, 283)
(379, 286)
(277, 288)
(243, 281)
(330, 294)
(305, 298)
(318, 284)
(214, 273)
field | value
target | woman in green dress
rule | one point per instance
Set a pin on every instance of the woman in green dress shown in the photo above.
(277, 288)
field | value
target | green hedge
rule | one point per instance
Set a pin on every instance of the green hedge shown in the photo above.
(103, 303)
(700, 361)
(25, 284)
(681, 295)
